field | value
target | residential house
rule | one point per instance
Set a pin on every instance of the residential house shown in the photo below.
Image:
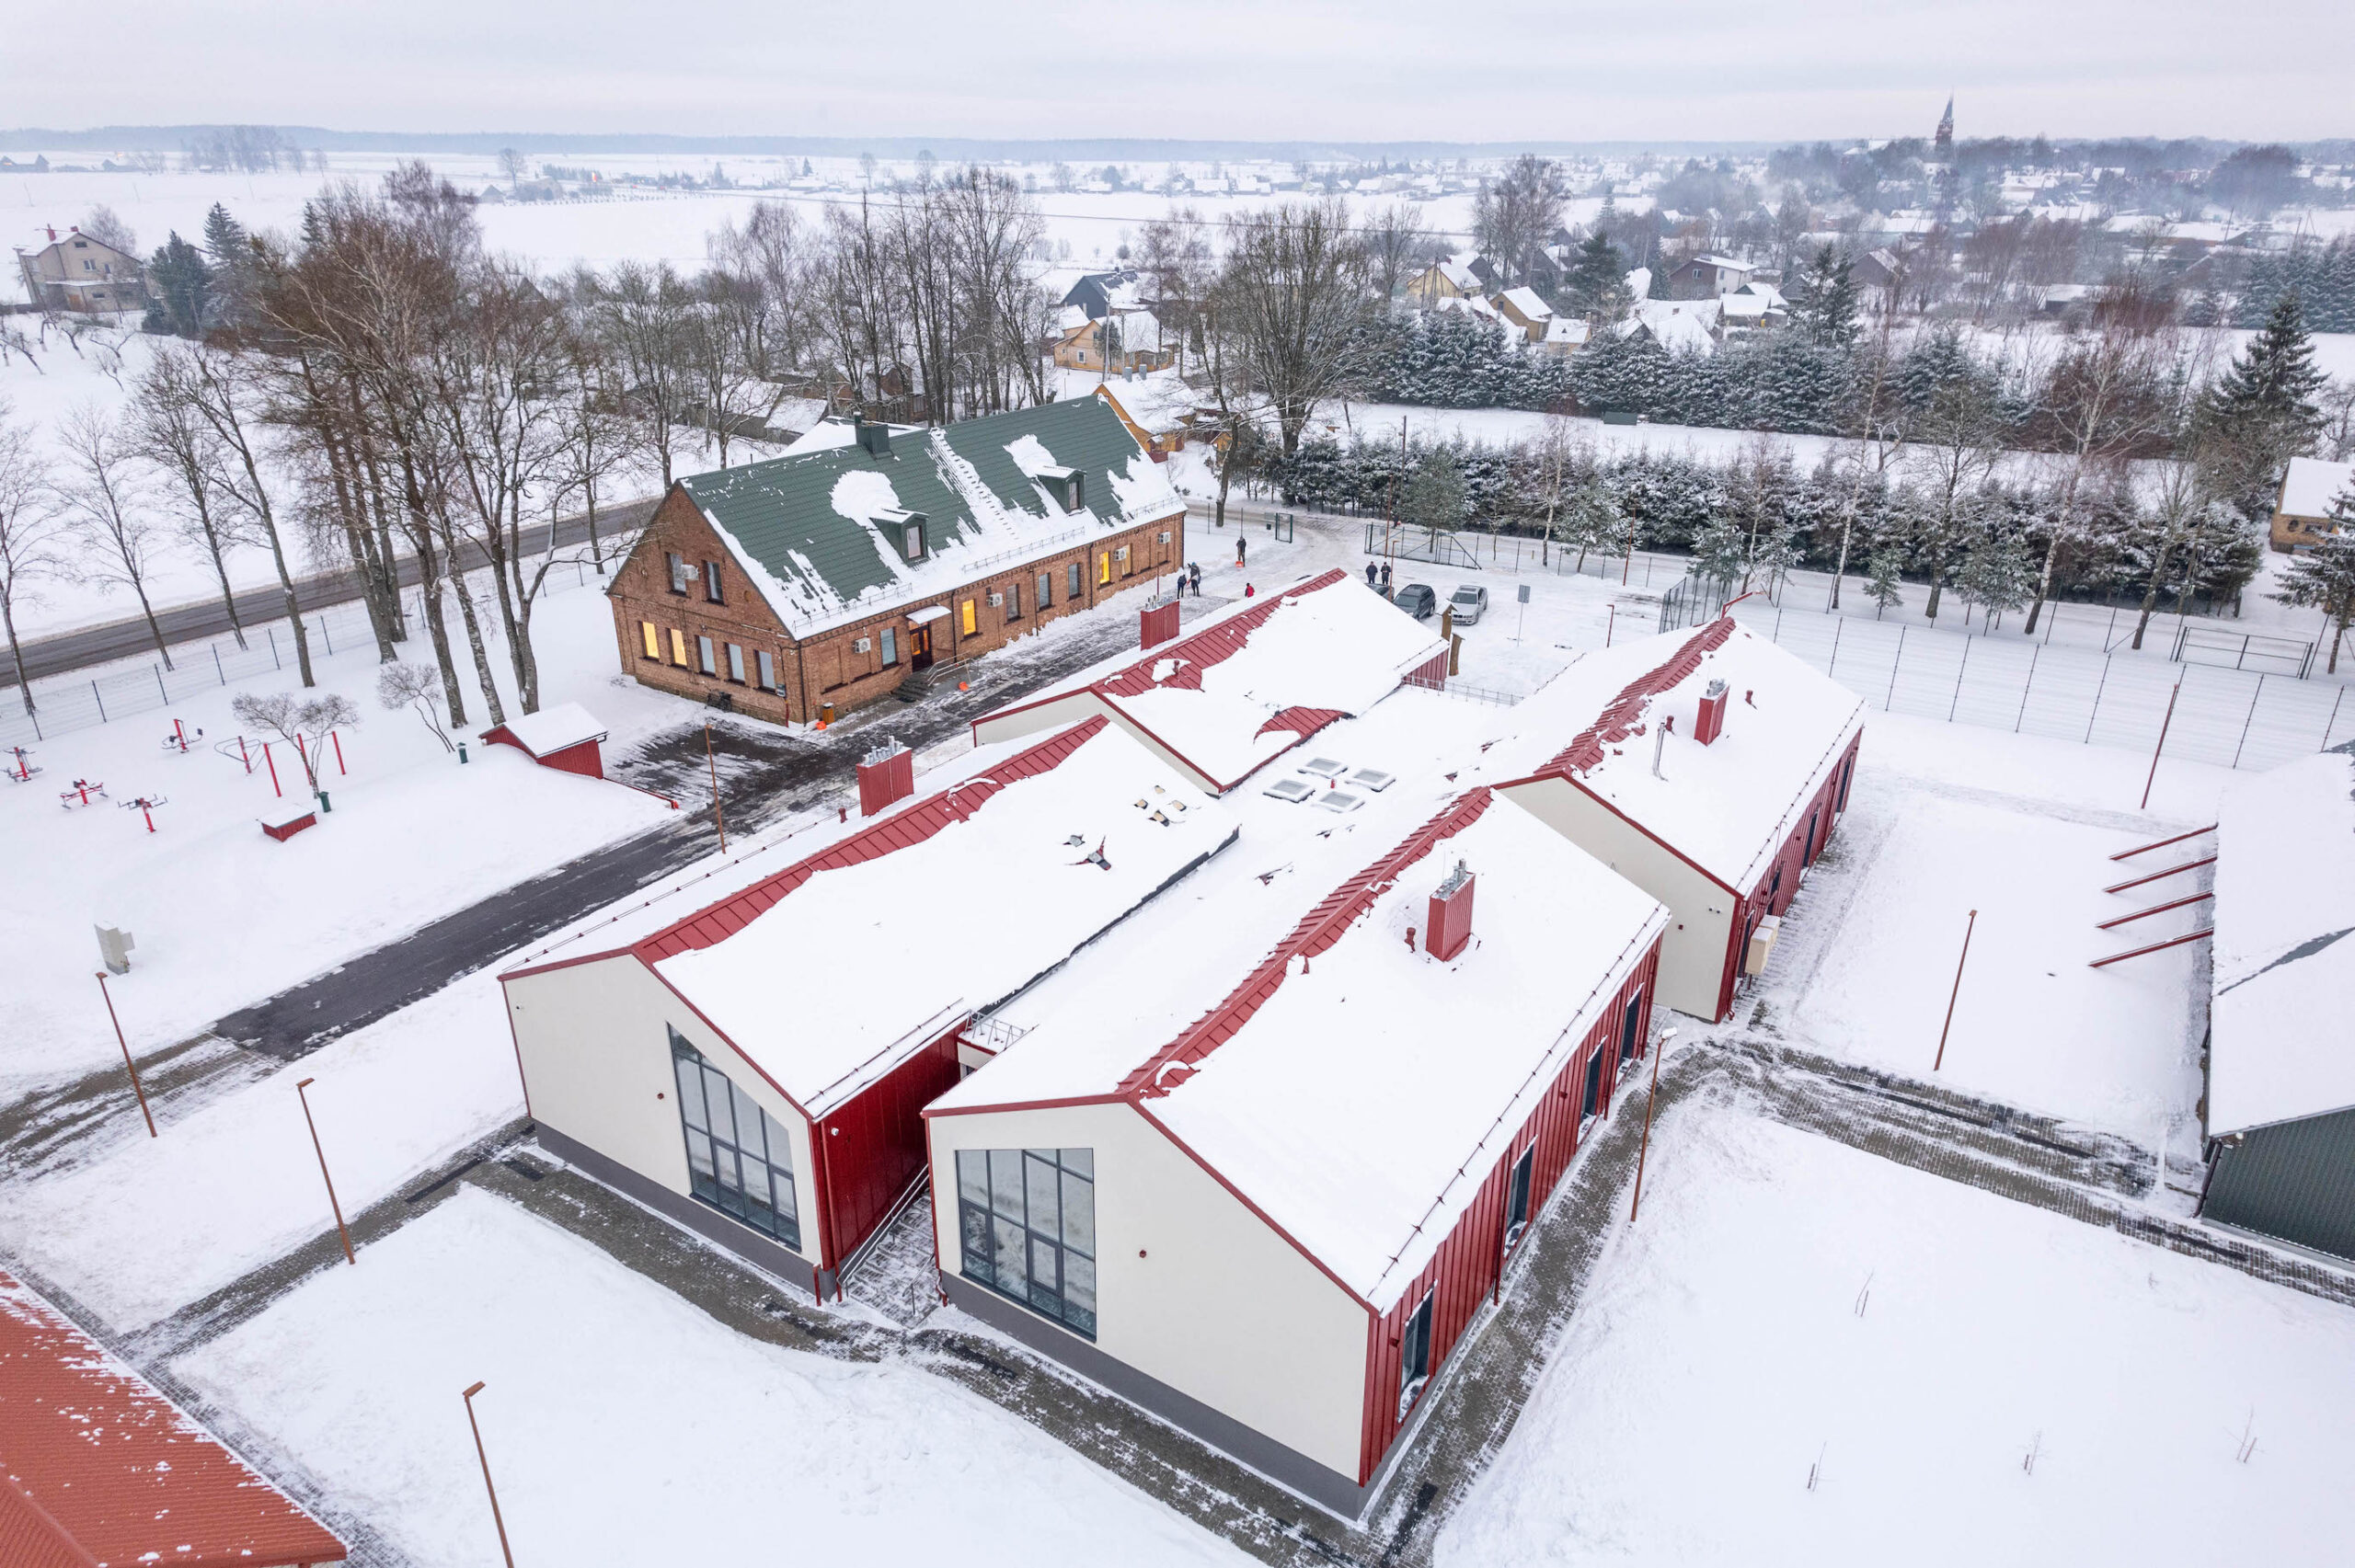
(1526, 309)
(1463, 276)
(82, 274)
(2303, 513)
(1707, 276)
(1160, 410)
(798, 588)
(1124, 342)
(1101, 293)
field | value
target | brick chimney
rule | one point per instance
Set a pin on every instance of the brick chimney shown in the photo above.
(1712, 721)
(887, 777)
(1449, 930)
(1156, 623)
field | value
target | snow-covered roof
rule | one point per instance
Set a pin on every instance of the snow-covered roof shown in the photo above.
(1712, 259)
(2283, 1016)
(1139, 332)
(810, 529)
(1678, 324)
(1309, 1076)
(1727, 807)
(1157, 403)
(1470, 304)
(1528, 302)
(552, 729)
(1258, 680)
(1747, 308)
(1640, 283)
(1568, 329)
(1055, 840)
(2313, 483)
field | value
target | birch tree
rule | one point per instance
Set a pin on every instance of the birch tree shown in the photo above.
(106, 507)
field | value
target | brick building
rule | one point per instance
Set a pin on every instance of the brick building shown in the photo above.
(826, 579)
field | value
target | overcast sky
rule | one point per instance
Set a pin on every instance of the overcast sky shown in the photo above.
(1356, 70)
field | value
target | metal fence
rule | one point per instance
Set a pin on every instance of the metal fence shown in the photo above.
(2235, 717)
(62, 703)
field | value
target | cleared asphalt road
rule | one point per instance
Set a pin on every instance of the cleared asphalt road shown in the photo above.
(209, 618)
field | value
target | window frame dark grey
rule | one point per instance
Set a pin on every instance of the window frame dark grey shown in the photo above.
(1517, 1182)
(711, 584)
(1415, 1354)
(781, 1220)
(1008, 1177)
(678, 565)
(1591, 1092)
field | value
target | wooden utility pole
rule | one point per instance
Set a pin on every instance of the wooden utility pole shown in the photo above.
(2154, 775)
(1959, 963)
(504, 1551)
(1645, 1147)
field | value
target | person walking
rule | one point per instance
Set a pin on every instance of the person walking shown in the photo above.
(1242, 544)
(1195, 571)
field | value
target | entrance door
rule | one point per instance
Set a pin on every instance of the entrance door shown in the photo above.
(920, 647)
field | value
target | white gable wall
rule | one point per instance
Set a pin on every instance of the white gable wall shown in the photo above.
(596, 1060)
(1701, 913)
(1193, 1289)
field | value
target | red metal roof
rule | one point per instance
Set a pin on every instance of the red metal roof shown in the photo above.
(1300, 721)
(98, 1469)
(1319, 929)
(1212, 644)
(902, 830)
(1617, 721)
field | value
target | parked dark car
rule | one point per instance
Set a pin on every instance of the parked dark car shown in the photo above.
(1416, 599)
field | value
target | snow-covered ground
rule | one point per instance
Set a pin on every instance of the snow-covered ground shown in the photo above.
(222, 915)
(624, 1427)
(1969, 1379)
(1937, 827)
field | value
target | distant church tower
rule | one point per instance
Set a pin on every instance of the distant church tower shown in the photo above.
(1945, 142)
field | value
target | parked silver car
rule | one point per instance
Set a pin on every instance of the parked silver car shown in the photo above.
(1470, 601)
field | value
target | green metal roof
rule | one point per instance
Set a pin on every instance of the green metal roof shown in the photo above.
(780, 514)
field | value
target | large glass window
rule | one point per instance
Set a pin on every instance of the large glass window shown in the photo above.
(1027, 1224)
(739, 1160)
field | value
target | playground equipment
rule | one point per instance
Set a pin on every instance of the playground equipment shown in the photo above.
(146, 805)
(83, 792)
(179, 739)
(23, 772)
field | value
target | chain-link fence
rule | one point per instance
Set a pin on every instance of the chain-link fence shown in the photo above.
(62, 703)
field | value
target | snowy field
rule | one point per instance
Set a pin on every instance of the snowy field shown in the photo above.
(1972, 1379)
(1937, 828)
(223, 915)
(625, 1428)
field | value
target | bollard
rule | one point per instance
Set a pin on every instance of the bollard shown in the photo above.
(462, 753)
(324, 807)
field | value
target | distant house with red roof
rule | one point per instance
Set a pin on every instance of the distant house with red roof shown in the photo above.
(98, 1469)
(1708, 768)
(1261, 1186)
(751, 1056)
(1250, 684)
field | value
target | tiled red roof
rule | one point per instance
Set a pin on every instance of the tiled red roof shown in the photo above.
(900, 830)
(1212, 644)
(1319, 929)
(1300, 721)
(99, 1470)
(1617, 721)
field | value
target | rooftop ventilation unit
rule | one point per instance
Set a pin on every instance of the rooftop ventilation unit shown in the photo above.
(1712, 721)
(1325, 767)
(1448, 930)
(1290, 789)
(1372, 779)
(1339, 800)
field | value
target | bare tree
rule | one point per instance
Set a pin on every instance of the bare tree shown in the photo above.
(180, 444)
(1955, 450)
(226, 392)
(1294, 308)
(1396, 246)
(1513, 219)
(301, 722)
(105, 506)
(1879, 421)
(644, 315)
(31, 547)
(417, 686)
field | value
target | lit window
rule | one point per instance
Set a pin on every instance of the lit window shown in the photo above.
(965, 617)
(739, 1158)
(678, 647)
(1104, 567)
(653, 639)
(1027, 1221)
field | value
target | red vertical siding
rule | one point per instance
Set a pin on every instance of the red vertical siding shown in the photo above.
(1465, 1270)
(875, 1146)
(582, 758)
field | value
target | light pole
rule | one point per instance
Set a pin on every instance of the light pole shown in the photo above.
(340, 1229)
(125, 1043)
(1645, 1148)
(503, 1550)
(711, 760)
(1945, 1028)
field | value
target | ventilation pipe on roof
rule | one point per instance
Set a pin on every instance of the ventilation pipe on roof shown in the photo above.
(1449, 930)
(886, 777)
(1713, 713)
(1659, 744)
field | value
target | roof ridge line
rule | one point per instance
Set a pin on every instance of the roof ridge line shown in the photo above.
(1617, 719)
(1316, 932)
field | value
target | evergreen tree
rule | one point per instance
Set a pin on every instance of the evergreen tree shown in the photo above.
(1597, 283)
(178, 272)
(1823, 303)
(229, 253)
(1883, 569)
(1435, 497)
(2323, 578)
(1997, 574)
(2265, 409)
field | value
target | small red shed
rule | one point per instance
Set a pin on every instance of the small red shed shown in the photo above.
(564, 737)
(96, 1467)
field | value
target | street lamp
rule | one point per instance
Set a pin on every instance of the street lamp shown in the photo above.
(340, 1229)
(125, 1043)
(1645, 1148)
(503, 1549)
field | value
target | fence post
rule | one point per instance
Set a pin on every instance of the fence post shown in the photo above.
(324, 636)
(2099, 686)
(275, 661)
(1958, 669)
(100, 701)
(160, 687)
(2327, 724)
(2032, 652)
(1885, 705)
(216, 665)
(2253, 697)
(1837, 627)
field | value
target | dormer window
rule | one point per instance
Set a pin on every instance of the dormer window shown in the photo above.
(1067, 485)
(906, 532)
